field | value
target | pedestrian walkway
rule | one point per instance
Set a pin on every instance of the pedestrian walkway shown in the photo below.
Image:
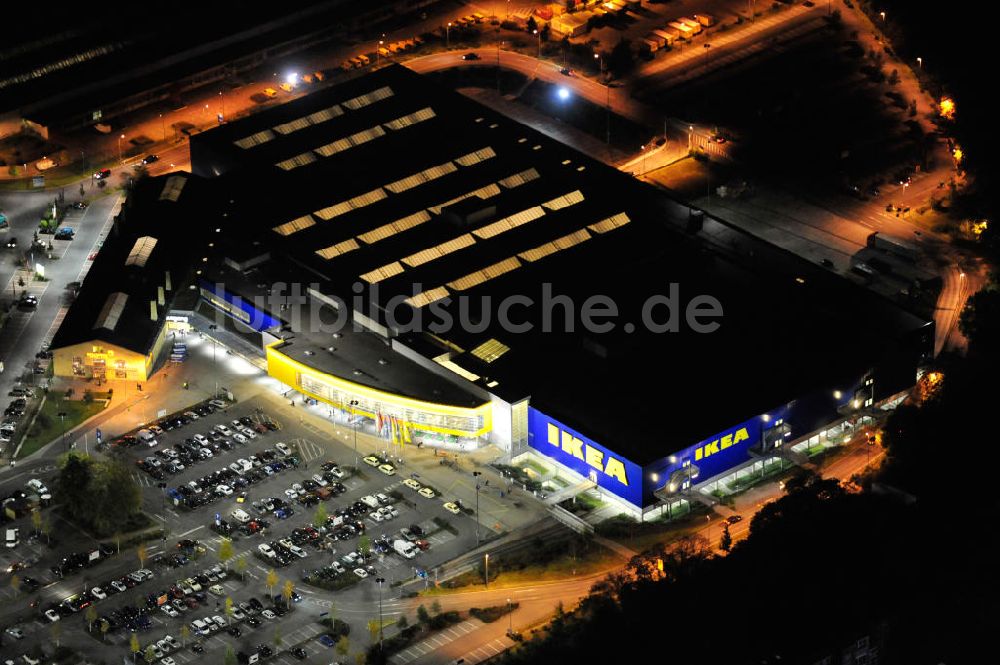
(434, 642)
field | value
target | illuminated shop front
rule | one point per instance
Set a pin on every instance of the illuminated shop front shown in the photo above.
(420, 415)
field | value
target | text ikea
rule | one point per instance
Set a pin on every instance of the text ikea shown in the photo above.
(721, 444)
(593, 456)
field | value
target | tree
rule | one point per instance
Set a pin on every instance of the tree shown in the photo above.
(230, 656)
(75, 471)
(422, 615)
(270, 581)
(286, 592)
(436, 607)
(225, 552)
(980, 321)
(229, 608)
(91, 616)
(277, 637)
(621, 60)
(360, 658)
(373, 630)
(365, 545)
(319, 517)
(105, 626)
(141, 552)
(150, 654)
(185, 634)
(402, 623)
(532, 25)
(726, 542)
(241, 567)
(36, 519)
(133, 645)
(46, 530)
(343, 645)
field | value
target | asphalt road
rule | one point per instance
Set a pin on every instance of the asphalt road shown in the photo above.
(27, 331)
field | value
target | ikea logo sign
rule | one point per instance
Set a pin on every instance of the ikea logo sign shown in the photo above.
(722, 443)
(596, 458)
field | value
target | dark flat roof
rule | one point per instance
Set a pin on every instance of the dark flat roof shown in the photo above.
(145, 218)
(538, 212)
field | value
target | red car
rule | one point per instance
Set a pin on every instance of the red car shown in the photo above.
(422, 544)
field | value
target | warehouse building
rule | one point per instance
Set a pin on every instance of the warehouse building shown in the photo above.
(632, 342)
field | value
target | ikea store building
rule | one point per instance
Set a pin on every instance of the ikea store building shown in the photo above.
(401, 252)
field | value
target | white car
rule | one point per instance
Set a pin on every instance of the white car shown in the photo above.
(171, 642)
(52, 615)
(452, 508)
(412, 484)
(168, 661)
(195, 487)
(371, 460)
(248, 433)
(245, 464)
(337, 473)
(291, 493)
(193, 583)
(239, 438)
(201, 439)
(219, 621)
(191, 415)
(426, 492)
(376, 516)
(223, 430)
(266, 550)
(361, 572)
(118, 586)
(238, 614)
(38, 486)
(218, 403)
(387, 469)
(319, 480)
(224, 490)
(383, 499)
(169, 610)
(98, 593)
(282, 449)
(301, 491)
(235, 467)
(268, 614)
(217, 590)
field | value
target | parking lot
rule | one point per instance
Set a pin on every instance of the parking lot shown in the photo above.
(289, 498)
(276, 480)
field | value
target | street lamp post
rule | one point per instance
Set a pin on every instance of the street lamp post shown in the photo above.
(607, 103)
(920, 62)
(380, 581)
(447, 35)
(539, 35)
(120, 137)
(163, 127)
(476, 474)
(215, 368)
(62, 420)
(487, 557)
(510, 619)
(354, 425)
(378, 50)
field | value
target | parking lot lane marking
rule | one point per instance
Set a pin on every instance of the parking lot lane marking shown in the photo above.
(186, 533)
(160, 517)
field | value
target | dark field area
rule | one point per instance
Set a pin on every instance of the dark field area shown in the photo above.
(810, 114)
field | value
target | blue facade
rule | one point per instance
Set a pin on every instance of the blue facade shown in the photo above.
(608, 469)
(714, 456)
(236, 307)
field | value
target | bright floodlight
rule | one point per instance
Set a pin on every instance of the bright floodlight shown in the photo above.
(292, 78)
(563, 93)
